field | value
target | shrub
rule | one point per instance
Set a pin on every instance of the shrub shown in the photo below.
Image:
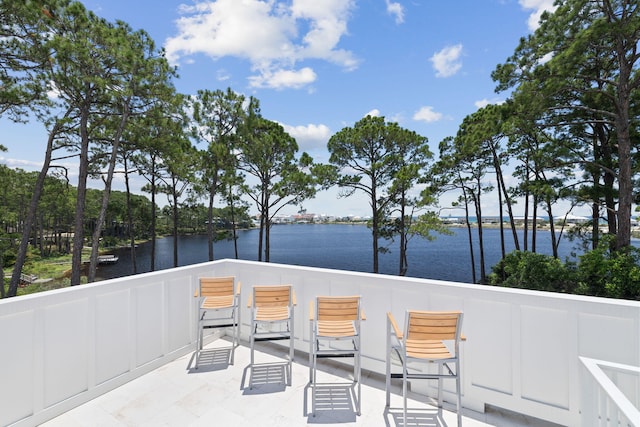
(530, 270)
(606, 273)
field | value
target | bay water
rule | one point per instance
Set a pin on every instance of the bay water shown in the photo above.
(336, 246)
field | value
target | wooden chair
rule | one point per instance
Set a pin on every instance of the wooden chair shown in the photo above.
(423, 341)
(219, 308)
(335, 320)
(272, 309)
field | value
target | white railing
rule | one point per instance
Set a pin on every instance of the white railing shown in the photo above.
(62, 348)
(607, 393)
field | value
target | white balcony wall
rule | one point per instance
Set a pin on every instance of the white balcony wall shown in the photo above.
(62, 348)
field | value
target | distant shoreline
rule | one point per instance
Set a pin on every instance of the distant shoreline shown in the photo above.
(542, 225)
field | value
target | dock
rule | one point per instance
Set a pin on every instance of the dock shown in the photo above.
(107, 259)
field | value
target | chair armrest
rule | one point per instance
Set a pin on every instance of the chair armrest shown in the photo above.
(396, 330)
(312, 310)
(239, 286)
(250, 300)
(196, 293)
(362, 315)
(463, 337)
(293, 297)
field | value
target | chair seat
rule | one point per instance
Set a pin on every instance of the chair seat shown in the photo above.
(427, 349)
(217, 302)
(336, 328)
(272, 314)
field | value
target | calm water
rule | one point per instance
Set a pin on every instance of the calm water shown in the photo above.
(338, 246)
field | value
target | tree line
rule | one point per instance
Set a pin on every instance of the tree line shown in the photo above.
(568, 132)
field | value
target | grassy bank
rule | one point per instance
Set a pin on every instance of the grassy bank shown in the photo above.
(51, 273)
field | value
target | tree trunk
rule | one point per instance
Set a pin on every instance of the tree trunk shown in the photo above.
(554, 245)
(21, 254)
(403, 238)
(500, 216)
(534, 226)
(132, 235)
(233, 222)
(175, 226)
(78, 228)
(525, 234)
(595, 230)
(95, 242)
(267, 232)
(625, 183)
(375, 224)
(2, 289)
(262, 225)
(625, 87)
(507, 200)
(502, 192)
(478, 206)
(210, 227)
(154, 220)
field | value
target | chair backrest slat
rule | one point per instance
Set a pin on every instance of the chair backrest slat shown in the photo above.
(272, 296)
(425, 325)
(338, 308)
(216, 286)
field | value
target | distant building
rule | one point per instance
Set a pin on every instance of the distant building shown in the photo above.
(520, 220)
(303, 217)
(452, 220)
(574, 219)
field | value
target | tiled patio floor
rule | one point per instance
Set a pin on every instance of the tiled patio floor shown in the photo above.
(218, 394)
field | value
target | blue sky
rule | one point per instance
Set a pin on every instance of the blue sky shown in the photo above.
(320, 65)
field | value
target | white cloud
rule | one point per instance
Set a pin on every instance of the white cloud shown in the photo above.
(53, 93)
(222, 75)
(484, 102)
(280, 79)
(538, 7)
(20, 163)
(546, 58)
(397, 118)
(373, 113)
(426, 114)
(309, 137)
(266, 33)
(327, 21)
(396, 10)
(447, 61)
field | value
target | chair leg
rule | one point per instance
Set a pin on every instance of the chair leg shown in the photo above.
(404, 394)
(357, 376)
(251, 357)
(311, 340)
(387, 385)
(439, 385)
(234, 340)
(291, 350)
(314, 384)
(459, 393)
(198, 343)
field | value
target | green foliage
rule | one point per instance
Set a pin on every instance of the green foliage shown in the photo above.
(8, 256)
(607, 273)
(567, 79)
(529, 270)
(601, 272)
